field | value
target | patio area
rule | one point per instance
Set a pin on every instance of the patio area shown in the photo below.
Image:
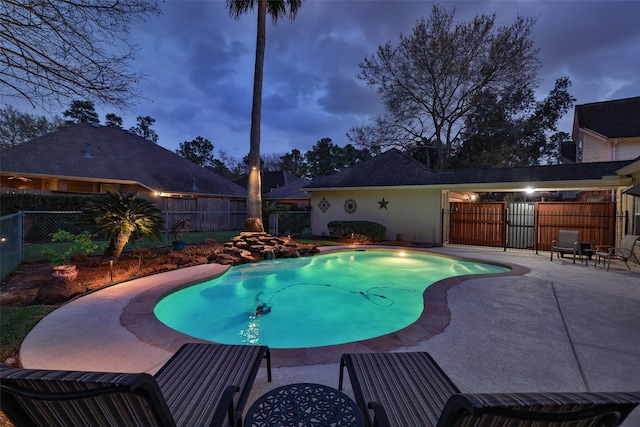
(553, 326)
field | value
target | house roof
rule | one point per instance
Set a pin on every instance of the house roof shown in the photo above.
(612, 119)
(393, 168)
(293, 190)
(101, 153)
(270, 180)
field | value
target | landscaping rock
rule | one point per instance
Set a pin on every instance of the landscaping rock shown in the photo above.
(59, 291)
(262, 245)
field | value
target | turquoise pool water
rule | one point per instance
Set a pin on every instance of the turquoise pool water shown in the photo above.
(322, 300)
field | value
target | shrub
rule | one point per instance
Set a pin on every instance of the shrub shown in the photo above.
(80, 244)
(358, 230)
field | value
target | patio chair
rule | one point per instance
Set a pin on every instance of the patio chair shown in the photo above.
(567, 243)
(201, 385)
(410, 389)
(624, 252)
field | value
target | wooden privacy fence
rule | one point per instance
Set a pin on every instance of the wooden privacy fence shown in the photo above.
(530, 225)
(204, 214)
(480, 224)
(595, 222)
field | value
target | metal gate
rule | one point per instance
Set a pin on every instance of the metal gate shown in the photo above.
(521, 225)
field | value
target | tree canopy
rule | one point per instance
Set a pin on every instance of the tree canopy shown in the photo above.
(430, 80)
(82, 112)
(327, 158)
(53, 51)
(17, 127)
(113, 120)
(510, 129)
(198, 150)
(144, 130)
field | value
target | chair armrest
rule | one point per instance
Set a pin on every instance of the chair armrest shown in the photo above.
(225, 406)
(604, 248)
(380, 418)
(622, 252)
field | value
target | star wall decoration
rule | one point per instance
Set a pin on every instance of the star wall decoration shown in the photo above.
(383, 203)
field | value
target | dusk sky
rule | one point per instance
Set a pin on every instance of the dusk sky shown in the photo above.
(199, 64)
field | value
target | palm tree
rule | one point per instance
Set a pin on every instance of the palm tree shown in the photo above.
(121, 214)
(276, 9)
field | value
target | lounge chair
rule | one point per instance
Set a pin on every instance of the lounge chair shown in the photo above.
(567, 243)
(410, 389)
(201, 385)
(624, 252)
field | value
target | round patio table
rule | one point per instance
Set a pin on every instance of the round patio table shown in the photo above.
(302, 405)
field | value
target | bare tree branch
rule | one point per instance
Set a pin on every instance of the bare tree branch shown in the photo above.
(53, 51)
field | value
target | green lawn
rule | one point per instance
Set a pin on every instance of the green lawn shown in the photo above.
(15, 323)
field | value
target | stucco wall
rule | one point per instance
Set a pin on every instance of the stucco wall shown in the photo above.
(414, 213)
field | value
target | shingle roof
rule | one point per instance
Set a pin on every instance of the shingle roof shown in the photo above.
(393, 168)
(115, 154)
(613, 119)
(270, 180)
(289, 191)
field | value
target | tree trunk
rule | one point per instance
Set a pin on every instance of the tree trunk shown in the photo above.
(116, 245)
(254, 186)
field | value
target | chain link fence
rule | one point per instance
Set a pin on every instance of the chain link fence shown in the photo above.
(10, 243)
(293, 223)
(26, 235)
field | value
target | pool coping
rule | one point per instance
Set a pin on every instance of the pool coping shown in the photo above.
(138, 317)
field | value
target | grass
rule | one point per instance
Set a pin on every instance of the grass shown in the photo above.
(37, 252)
(15, 323)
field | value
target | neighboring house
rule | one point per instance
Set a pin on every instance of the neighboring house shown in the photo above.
(291, 194)
(90, 158)
(271, 180)
(408, 199)
(606, 131)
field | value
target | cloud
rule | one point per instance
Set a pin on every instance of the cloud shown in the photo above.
(199, 63)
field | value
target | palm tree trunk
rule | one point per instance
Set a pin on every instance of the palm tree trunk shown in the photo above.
(116, 245)
(254, 186)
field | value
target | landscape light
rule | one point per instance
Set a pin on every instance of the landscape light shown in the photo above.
(111, 259)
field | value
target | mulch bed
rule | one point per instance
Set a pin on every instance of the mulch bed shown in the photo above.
(23, 286)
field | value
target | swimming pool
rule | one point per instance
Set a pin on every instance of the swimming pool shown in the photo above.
(322, 300)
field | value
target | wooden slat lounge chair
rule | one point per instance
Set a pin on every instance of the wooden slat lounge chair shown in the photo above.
(410, 389)
(624, 252)
(201, 385)
(567, 243)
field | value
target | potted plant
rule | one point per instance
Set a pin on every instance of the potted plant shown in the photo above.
(176, 231)
(61, 256)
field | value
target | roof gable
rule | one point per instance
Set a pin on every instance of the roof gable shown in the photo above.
(391, 168)
(104, 153)
(290, 191)
(612, 119)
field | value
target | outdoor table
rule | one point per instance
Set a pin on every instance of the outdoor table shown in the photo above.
(586, 250)
(304, 404)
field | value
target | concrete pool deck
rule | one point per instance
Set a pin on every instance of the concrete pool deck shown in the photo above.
(547, 326)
